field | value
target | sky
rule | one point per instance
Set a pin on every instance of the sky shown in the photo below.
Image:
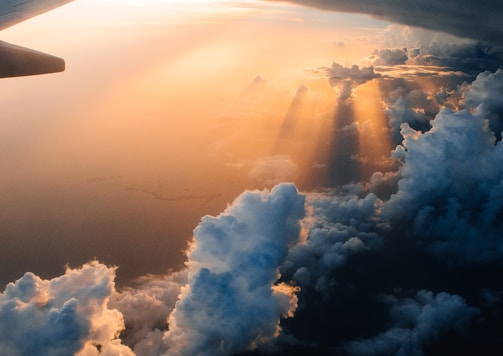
(246, 177)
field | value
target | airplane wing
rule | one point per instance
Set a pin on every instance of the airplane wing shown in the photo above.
(18, 61)
(15, 11)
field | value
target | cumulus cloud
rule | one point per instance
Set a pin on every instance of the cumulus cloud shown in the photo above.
(431, 48)
(64, 315)
(458, 155)
(389, 57)
(146, 308)
(414, 107)
(483, 97)
(229, 298)
(233, 302)
(340, 224)
(245, 266)
(441, 213)
(417, 323)
(338, 73)
(348, 78)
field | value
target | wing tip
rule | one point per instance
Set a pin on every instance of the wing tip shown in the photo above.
(17, 61)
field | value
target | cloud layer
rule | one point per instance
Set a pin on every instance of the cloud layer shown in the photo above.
(65, 315)
(406, 262)
(232, 302)
(275, 263)
(415, 323)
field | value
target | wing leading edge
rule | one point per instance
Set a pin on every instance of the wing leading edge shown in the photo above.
(18, 61)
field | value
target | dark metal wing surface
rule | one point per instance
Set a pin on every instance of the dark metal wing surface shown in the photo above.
(16, 61)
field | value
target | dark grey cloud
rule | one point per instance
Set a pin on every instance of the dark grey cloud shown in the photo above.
(409, 107)
(417, 322)
(389, 57)
(342, 224)
(480, 21)
(469, 58)
(438, 52)
(348, 78)
(354, 74)
(458, 155)
(483, 97)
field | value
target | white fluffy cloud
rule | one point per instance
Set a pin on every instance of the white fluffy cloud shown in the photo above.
(232, 302)
(227, 300)
(62, 316)
(146, 309)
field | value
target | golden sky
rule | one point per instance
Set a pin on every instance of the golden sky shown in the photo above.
(166, 112)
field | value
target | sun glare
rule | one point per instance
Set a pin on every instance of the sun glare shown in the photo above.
(175, 106)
